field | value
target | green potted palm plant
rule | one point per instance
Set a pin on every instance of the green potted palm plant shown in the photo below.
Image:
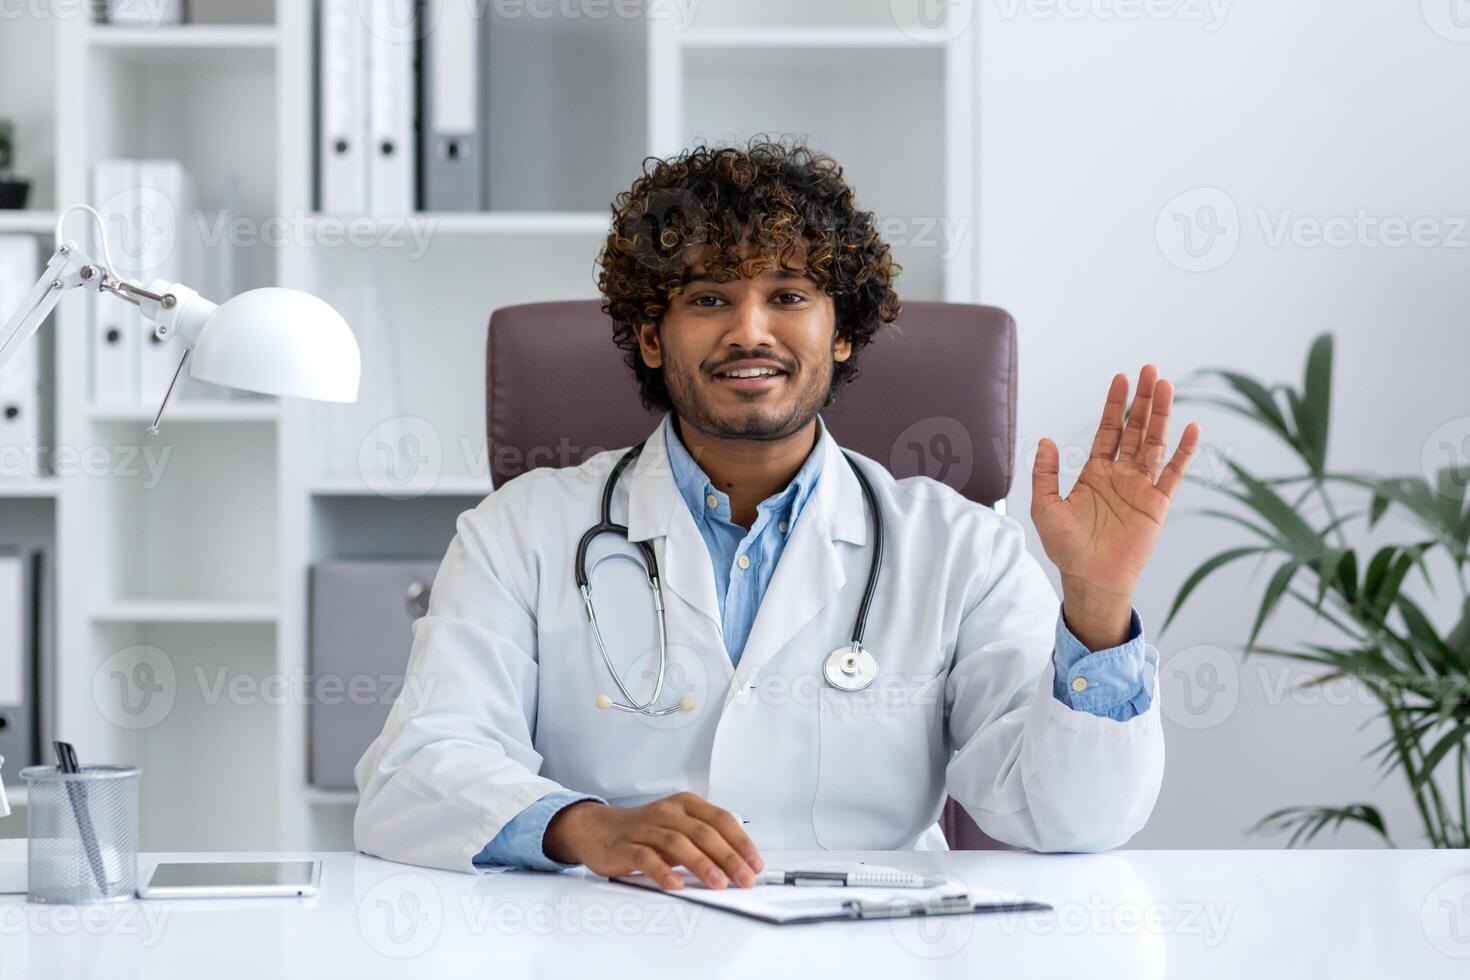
(1417, 672)
(12, 192)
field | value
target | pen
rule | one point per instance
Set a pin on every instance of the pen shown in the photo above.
(66, 761)
(871, 879)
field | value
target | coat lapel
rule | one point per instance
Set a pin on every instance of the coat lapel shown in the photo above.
(808, 575)
(655, 509)
(810, 570)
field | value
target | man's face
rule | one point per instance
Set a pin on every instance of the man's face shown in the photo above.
(779, 326)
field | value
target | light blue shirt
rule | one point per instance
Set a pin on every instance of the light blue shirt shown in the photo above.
(1116, 687)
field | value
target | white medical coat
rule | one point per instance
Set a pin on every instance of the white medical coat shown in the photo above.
(499, 704)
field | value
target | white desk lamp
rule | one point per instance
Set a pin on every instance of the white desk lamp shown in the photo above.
(277, 341)
(272, 340)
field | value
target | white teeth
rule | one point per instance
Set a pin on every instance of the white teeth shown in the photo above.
(750, 373)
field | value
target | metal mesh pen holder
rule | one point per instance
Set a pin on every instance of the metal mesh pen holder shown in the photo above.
(83, 834)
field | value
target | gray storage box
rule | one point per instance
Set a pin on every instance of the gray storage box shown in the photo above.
(362, 615)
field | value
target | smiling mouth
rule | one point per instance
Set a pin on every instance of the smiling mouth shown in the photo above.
(750, 373)
(751, 381)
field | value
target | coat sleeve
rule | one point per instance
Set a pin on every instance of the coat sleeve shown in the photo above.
(1030, 770)
(455, 761)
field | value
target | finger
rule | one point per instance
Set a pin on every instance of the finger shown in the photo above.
(676, 848)
(646, 859)
(1156, 439)
(1044, 487)
(717, 849)
(724, 821)
(1110, 429)
(1173, 474)
(1138, 417)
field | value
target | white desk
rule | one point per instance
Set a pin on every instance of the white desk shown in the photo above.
(1133, 914)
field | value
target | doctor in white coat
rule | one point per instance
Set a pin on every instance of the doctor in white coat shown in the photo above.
(1042, 721)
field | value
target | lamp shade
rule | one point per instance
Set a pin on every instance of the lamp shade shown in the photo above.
(280, 342)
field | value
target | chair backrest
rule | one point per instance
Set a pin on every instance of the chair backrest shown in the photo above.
(935, 395)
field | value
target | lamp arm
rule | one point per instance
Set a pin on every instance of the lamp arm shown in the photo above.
(67, 269)
(171, 307)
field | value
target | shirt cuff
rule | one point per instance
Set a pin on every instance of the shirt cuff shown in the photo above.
(1109, 683)
(521, 843)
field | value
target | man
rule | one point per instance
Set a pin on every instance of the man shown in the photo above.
(743, 283)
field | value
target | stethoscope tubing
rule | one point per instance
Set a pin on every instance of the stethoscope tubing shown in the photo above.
(605, 525)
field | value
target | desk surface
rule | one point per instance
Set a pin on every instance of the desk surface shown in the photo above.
(1133, 914)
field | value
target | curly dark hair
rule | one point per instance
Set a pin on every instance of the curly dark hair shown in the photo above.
(786, 205)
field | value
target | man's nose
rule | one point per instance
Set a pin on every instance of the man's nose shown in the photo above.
(749, 326)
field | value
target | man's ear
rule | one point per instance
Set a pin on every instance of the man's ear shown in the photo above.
(841, 347)
(648, 345)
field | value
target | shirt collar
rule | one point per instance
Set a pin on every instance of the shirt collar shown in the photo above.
(694, 484)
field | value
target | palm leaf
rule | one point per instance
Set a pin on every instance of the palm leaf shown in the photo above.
(1275, 589)
(1204, 571)
(1260, 405)
(1443, 747)
(1306, 822)
(1316, 401)
(1305, 541)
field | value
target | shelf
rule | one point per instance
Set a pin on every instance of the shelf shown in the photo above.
(458, 486)
(197, 47)
(183, 611)
(27, 222)
(465, 223)
(224, 410)
(40, 487)
(184, 37)
(331, 797)
(833, 38)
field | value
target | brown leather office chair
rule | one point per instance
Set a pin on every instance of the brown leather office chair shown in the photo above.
(935, 395)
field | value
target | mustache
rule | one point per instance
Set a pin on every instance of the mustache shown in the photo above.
(786, 364)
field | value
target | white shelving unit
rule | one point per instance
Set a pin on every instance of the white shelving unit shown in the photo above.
(209, 561)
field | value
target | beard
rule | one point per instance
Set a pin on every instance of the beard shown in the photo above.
(755, 422)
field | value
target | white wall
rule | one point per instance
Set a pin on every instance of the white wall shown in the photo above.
(1090, 124)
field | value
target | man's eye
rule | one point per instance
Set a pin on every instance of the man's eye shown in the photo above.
(700, 300)
(789, 298)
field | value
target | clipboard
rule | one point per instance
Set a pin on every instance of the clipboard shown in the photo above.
(786, 905)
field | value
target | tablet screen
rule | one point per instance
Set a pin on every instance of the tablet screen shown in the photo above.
(232, 874)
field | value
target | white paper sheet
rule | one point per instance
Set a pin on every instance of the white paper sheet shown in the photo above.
(787, 903)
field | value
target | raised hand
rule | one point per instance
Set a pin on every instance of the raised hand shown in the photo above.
(1102, 533)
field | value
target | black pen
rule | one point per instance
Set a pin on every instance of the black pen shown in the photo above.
(66, 762)
(850, 879)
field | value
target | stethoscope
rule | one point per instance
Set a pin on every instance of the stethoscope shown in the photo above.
(848, 668)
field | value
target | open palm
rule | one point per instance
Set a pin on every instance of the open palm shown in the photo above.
(1102, 533)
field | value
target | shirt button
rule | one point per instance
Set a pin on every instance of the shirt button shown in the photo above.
(782, 526)
(712, 500)
(743, 561)
(1079, 685)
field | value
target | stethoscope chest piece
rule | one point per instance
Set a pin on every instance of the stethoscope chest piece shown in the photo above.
(850, 669)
